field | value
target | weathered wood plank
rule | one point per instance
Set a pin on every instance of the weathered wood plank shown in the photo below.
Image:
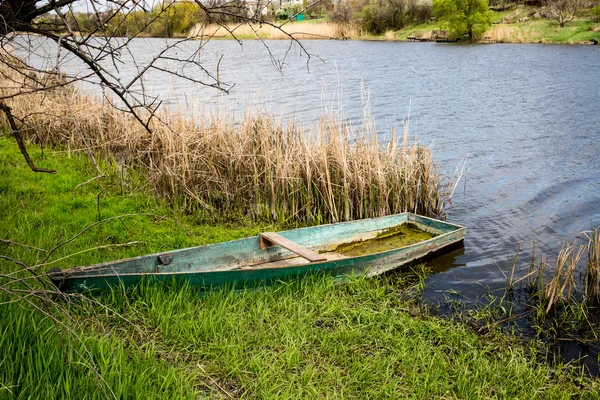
(267, 239)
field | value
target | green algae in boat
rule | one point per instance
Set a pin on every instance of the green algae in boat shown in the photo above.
(273, 256)
(392, 238)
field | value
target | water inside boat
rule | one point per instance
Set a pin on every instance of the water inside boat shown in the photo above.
(392, 238)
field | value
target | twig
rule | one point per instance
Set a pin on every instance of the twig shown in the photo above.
(98, 205)
(17, 135)
(87, 228)
(106, 246)
(215, 382)
(88, 181)
(10, 242)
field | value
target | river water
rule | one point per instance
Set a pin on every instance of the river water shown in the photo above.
(527, 116)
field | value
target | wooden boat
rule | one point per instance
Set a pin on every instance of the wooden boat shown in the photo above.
(273, 256)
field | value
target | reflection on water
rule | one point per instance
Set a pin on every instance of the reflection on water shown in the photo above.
(527, 116)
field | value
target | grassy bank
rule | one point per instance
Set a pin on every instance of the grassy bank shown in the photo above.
(42, 210)
(507, 28)
(294, 340)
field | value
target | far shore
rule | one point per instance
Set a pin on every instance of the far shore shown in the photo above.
(517, 25)
(533, 32)
(520, 24)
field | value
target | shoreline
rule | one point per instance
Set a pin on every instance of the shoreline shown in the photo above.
(506, 28)
(383, 38)
(580, 32)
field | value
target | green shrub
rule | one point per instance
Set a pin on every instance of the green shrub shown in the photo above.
(596, 13)
(380, 16)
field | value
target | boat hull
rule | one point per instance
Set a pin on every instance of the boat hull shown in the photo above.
(235, 268)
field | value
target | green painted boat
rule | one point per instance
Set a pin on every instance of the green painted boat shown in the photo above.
(363, 247)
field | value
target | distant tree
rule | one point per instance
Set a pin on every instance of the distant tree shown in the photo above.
(342, 13)
(563, 11)
(418, 11)
(372, 18)
(396, 13)
(463, 17)
(177, 18)
(315, 10)
(596, 13)
(378, 16)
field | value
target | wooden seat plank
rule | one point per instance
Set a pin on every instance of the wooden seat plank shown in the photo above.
(268, 239)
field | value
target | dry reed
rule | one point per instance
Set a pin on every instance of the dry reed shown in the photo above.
(300, 30)
(500, 33)
(592, 272)
(261, 168)
(555, 284)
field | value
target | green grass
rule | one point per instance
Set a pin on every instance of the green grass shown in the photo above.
(42, 210)
(35, 363)
(316, 339)
(547, 31)
(414, 31)
(296, 339)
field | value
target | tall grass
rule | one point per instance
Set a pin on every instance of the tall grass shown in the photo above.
(562, 284)
(37, 362)
(261, 168)
(592, 271)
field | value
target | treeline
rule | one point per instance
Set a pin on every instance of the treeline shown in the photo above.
(464, 19)
(379, 16)
(178, 18)
(163, 20)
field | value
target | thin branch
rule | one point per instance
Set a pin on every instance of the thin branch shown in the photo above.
(10, 242)
(17, 135)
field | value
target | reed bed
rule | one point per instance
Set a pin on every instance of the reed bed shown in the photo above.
(261, 168)
(556, 284)
(300, 30)
(566, 289)
(554, 300)
(561, 286)
(502, 33)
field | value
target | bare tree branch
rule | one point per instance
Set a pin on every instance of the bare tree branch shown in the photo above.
(17, 135)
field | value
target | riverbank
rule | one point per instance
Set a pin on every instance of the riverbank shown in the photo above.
(519, 25)
(259, 168)
(297, 339)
